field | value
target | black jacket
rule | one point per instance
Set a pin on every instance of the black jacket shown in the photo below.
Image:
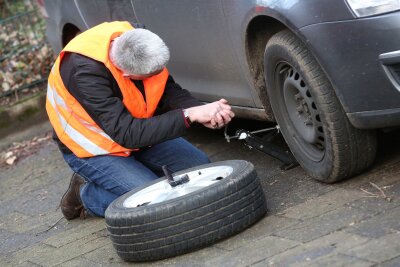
(94, 87)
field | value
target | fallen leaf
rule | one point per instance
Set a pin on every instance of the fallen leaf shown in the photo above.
(10, 161)
(8, 155)
(6, 87)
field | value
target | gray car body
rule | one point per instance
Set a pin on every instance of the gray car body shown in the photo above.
(217, 47)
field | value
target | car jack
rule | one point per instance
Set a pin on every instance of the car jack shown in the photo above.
(264, 146)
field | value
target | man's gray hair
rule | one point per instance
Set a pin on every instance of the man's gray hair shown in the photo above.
(139, 52)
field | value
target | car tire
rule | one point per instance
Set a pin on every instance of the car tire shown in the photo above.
(230, 200)
(310, 115)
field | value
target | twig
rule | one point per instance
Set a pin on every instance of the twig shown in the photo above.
(51, 227)
(372, 194)
(380, 189)
(381, 195)
(274, 182)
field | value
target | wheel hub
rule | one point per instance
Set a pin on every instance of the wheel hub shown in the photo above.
(303, 113)
(163, 191)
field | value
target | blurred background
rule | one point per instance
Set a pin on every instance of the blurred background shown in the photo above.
(25, 59)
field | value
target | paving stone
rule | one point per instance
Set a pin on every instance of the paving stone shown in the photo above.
(395, 262)
(254, 252)
(319, 226)
(322, 204)
(34, 202)
(29, 178)
(374, 205)
(82, 229)
(378, 250)
(7, 221)
(29, 223)
(382, 174)
(265, 227)
(46, 255)
(392, 191)
(106, 255)
(290, 188)
(11, 242)
(384, 223)
(195, 258)
(28, 264)
(338, 260)
(35, 185)
(268, 166)
(80, 262)
(322, 247)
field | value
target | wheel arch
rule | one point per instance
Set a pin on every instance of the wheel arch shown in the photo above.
(259, 30)
(69, 31)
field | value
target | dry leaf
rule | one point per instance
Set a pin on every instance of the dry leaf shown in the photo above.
(5, 86)
(8, 155)
(10, 161)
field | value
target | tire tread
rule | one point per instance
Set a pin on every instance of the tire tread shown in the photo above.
(353, 150)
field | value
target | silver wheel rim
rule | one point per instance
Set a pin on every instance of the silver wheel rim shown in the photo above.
(163, 191)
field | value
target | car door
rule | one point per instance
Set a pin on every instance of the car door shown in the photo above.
(202, 58)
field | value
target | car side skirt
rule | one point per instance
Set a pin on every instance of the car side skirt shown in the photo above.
(375, 119)
(251, 113)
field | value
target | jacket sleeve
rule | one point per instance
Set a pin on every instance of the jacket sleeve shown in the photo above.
(91, 84)
(175, 97)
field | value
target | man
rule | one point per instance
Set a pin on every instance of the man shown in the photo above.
(118, 115)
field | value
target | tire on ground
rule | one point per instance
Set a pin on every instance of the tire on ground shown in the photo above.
(329, 148)
(189, 222)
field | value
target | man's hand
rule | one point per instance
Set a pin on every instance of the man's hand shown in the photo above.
(213, 115)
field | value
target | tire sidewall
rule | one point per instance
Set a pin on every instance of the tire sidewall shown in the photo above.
(275, 54)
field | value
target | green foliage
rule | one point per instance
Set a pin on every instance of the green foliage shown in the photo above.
(10, 8)
(25, 57)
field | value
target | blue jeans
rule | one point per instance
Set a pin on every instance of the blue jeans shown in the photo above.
(108, 177)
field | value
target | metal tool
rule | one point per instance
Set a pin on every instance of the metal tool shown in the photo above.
(241, 134)
(174, 181)
(264, 146)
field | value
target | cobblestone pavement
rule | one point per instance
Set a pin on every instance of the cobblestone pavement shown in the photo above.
(351, 223)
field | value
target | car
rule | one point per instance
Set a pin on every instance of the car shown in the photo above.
(326, 71)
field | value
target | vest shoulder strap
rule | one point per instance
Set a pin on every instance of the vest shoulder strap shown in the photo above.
(91, 43)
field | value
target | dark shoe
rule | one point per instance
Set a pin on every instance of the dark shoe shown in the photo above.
(71, 203)
(84, 214)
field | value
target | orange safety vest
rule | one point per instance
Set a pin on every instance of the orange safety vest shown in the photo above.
(72, 124)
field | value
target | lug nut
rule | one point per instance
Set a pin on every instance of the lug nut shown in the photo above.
(308, 122)
(298, 96)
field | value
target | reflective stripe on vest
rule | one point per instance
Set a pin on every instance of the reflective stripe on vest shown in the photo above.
(72, 124)
(76, 136)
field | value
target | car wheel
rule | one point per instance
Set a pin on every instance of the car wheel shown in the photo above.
(160, 221)
(309, 114)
